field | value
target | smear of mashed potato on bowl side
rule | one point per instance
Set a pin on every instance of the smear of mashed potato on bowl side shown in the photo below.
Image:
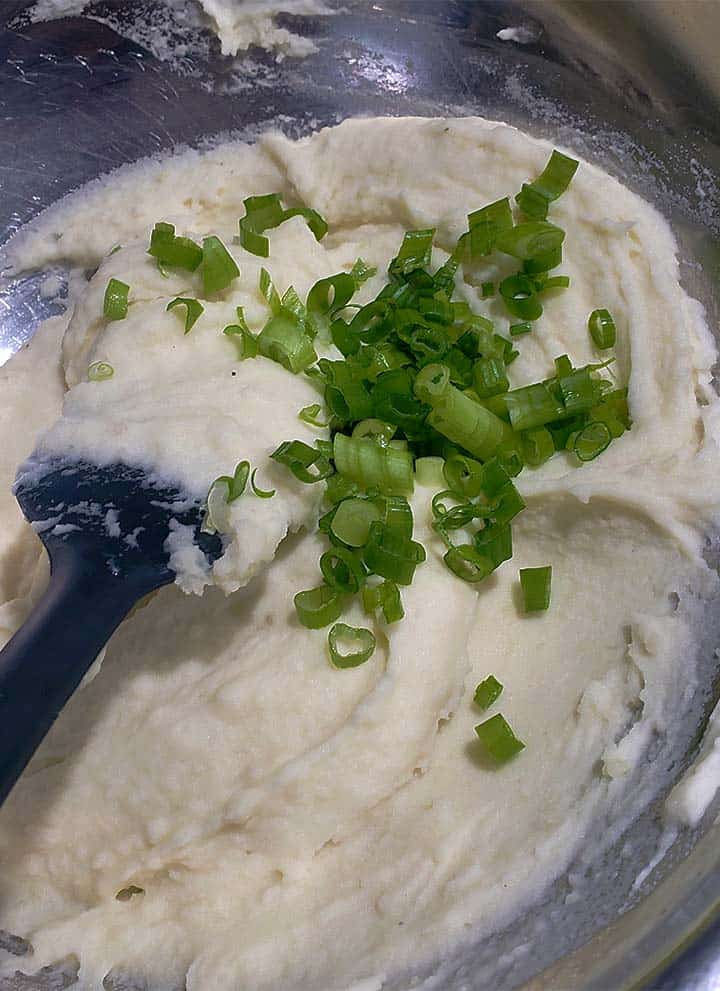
(269, 821)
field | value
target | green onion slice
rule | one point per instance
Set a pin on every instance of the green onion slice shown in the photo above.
(218, 266)
(532, 239)
(464, 476)
(361, 272)
(537, 446)
(520, 296)
(415, 252)
(385, 596)
(352, 520)
(602, 329)
(391, 555)
(263, 213)
(169, 249)
(240, 333)
(260, 493)
(535, 197)
(518, 329)
(535, 585)
(311, 415)
(343, 570)
(300, 458)
(498, 739)
(283, 340)
(343, 638)
(318, 607)
(592, 440)
(193, 309)
(490, 377)
(468, 563)
(487, 692)
(372, 466)
(100, 371)
(485, 227)
(115, 303)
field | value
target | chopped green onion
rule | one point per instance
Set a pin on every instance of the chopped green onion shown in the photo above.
(464, 476)
(495, 542)
(415, 252)
(518, 329)
(592, 440)
(218, 266)
(311, 415)
(532, 239)
(391, 555)
(99, 371)
(487, 692)
(193, 309)
(495, 478)
(248, 345)
(490, 377)
(563, 366)
(342, 636)
(223, 491)
(545, 282)
(396, 514)
(343, 570)
(537, 446)
(579, 391)
(544, 262)
(352, 520)
(533, 406)
(459, 418)
(283, 340)
(535, 584)
(300, 458)
(520, 296)
(263, 213)
(372, 466)
(115, 304)
(510, 504)
(432, 383)
(337, 488)
(260, 493)
(466, 562)
(535, 197)
(485, 226)
(385, 596)
(178, 252)
(602, 329)
(498, 739)
(267, 288)
(217, 514)
(487, 289)
(379, 431)
(330, 295)
(318, 607)
(361, 272)
(429, 471)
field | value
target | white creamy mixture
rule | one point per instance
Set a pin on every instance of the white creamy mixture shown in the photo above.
(293, 826)
(237, 23)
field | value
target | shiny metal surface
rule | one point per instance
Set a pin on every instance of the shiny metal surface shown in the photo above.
(628, 85)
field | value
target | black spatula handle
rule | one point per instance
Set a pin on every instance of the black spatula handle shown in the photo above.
(45, 661)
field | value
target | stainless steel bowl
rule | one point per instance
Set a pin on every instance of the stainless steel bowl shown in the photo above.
(634, 87)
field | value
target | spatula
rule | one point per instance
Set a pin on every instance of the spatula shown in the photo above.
(104, 529)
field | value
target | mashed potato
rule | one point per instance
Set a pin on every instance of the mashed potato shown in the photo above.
(272, 822)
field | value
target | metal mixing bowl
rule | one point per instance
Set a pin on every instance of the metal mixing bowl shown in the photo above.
(631, 86)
